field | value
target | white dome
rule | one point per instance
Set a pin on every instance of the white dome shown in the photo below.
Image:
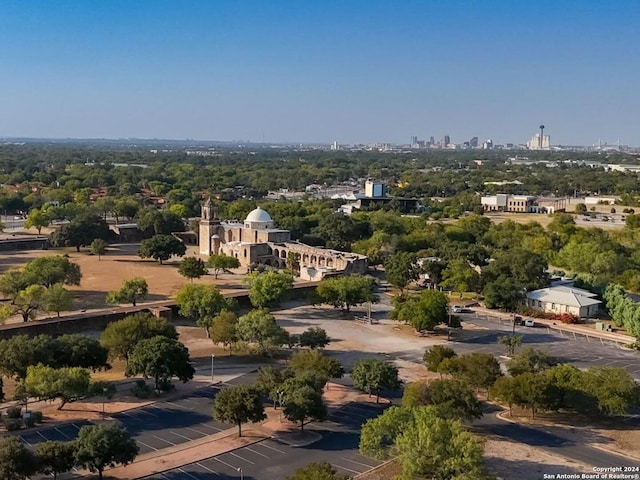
(258, 215)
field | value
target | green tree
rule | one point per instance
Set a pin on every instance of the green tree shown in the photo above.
(269, 287)
(98, 247)
(293, 263)
(339, 231)
(314, 337)
(37, 219)
(460, 276)
(201, 303)
(303, 403)
(346, 291)
(76, 350)
(439, 447)
(48, 271)
(401, 269)
(505, 390)
(581, 208)
(525, 268)
(511, 342)
(222, 262)
(315, 361)
(416, 394)
(192, 267)
(132, 291)
(125, 207)
(423, 311)
(260, 327)
(270, 382)
(224, 329)
(58, 299)
(238, 404)
(159, 222)
(55, 457)
(46, 383)
(160, 358)
(529, 360)
(122, 336)
(535, 392)
(614, 389)
(80, 232)
(27, 303)
(20, 351)
(479, 370)
(503, 292)
(317, 471)
(378, 435)
(372, 376)
(104, 445)
(454, 398)
(17, 462)
(435, 355)
(161, 248)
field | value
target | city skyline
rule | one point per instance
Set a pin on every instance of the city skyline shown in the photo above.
(319, 72)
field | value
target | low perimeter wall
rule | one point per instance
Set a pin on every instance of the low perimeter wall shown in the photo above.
(98, 320)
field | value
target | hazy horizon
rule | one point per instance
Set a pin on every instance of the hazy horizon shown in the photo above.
(315, 72)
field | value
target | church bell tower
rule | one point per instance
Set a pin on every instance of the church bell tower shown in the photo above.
(208, 220)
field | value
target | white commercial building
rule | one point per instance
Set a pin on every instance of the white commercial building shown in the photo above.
(563, 299)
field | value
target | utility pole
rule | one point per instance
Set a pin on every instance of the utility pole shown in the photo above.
(212, 358)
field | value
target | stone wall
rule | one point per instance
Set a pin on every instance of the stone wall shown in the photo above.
(87, 321)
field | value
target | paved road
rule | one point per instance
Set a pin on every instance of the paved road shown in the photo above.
(549, 439)
(274, 460)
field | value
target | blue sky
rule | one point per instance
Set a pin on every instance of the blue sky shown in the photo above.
(317, 71)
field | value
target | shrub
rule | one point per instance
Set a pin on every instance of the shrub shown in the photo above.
(12, 424)
(141, 389)
(29, 421)
(14, 412)
(37, 416)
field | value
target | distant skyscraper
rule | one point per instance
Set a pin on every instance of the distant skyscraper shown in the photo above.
(414, 141)
(539, 141)
(335, 146)
(447, 140)
(473, 143)
(432, 140)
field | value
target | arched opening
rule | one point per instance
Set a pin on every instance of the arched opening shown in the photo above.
(276, 253)
(229, 236)
(283, 254)
(245, 253)
(255, 237)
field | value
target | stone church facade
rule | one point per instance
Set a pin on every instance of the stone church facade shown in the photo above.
(258, 241)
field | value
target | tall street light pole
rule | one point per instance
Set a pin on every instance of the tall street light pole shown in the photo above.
(241, 475)
(212, 358)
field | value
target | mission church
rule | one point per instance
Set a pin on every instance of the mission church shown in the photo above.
(258, 241)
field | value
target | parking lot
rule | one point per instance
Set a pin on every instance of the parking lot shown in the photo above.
(273, 460)
(581, 352)
(154, 427)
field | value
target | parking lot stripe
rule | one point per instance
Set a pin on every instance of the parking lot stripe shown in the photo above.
(164, 440)
(357, 463)
(148, 446)
(225, 463)
(62, 433)
(241, 458)
(269, 446)
(256, 452)
(24, 440)
(181, 436)
(175, 405)
(187, 473)
(197, 431)
(207, 469)
(345, 468)
(40, 433)
(215, 429)
(142, 410)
